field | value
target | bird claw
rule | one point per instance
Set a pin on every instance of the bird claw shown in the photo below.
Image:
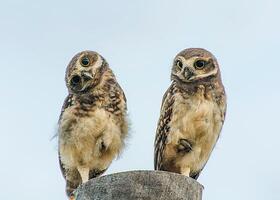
(72, 197)
(184, 146)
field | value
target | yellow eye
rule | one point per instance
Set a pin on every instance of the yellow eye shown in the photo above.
(179, 64)
(85, 61)
(199, 64)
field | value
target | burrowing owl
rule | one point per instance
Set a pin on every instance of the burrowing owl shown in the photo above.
(93, 121)
(192, 114)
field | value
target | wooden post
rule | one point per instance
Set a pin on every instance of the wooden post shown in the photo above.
(144, 185)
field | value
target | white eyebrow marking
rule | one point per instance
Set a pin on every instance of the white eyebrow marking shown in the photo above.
(99, 62)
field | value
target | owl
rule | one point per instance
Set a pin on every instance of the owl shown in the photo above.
(93, 122)
(192, 114)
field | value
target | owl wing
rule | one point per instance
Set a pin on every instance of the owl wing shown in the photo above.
(67, 103)
(117, 102)
(121, 92)
(118, 107)
(163, 126)
(62, 168)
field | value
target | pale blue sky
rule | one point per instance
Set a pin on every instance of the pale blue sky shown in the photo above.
(139, 39)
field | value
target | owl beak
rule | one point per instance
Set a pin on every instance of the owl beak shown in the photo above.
(86, 76)
(188, 73)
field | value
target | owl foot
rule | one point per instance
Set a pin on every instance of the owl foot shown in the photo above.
(184, 146)
(72, 197)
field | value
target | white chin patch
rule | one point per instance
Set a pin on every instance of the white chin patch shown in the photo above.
(98, 63)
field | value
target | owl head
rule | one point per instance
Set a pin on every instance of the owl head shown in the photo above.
(84, 71)
(194, 64)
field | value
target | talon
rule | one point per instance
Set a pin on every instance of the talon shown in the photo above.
(184, 146)
(72, 197)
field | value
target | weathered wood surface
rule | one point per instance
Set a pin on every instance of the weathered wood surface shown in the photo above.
(144, 185)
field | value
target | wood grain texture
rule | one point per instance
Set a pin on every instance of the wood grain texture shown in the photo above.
(144, 185)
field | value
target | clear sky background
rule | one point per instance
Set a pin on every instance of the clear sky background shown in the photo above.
(139, 39)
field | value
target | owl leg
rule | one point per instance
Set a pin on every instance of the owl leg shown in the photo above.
(73, 180)
(186, 171)
(72, 197)
(70, 188)
(184, 146)
(84, 173)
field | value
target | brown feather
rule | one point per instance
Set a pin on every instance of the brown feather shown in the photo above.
(193, 111)
(93, 121)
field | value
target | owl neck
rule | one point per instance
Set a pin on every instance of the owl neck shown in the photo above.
(191, 87)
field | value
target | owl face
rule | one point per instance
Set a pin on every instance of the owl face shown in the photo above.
(194, 64)
(83, 71)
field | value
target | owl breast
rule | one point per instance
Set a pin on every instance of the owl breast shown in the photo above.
(88, 138)
(198, 120)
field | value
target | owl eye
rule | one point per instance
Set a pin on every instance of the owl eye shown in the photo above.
(199, 64)
(76, 80)
(179, 64)
(85, 61)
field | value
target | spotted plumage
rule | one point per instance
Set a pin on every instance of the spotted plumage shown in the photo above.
(93, 121)
(192, 114)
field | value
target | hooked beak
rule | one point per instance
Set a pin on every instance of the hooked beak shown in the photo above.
(86, 75)
(188, 73)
